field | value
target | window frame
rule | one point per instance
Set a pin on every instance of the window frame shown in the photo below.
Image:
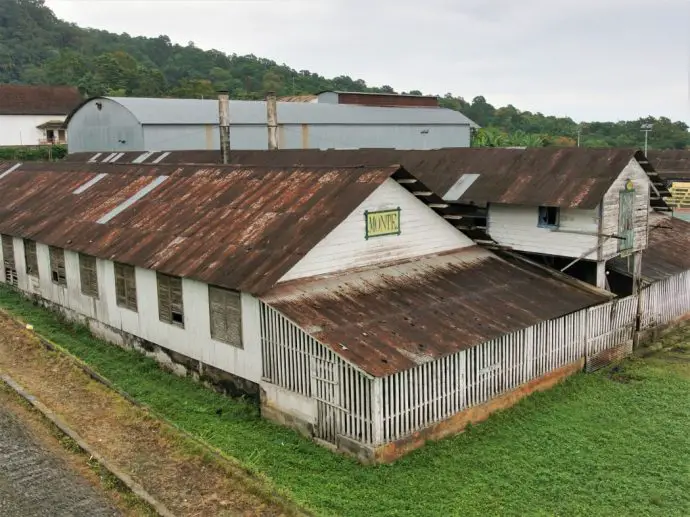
(88, 275)
(9, 263)
(543, 217)
(57, 262)
(31, 258)
(128, 284)
(170, 299)
(226, 311)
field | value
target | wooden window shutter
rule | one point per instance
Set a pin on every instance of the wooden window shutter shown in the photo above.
(8, 251)
(9, 265)
(88, 275)
(125, 286)
(226, 315)
(57, 266)
(170, 306)
(31, 258)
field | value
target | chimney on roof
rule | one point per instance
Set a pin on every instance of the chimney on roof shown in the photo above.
(272, 118)
(224, 125)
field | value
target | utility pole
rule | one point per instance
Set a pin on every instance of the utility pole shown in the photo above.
(646, 128)
(579, 129)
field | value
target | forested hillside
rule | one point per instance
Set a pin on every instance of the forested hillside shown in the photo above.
(38, 48)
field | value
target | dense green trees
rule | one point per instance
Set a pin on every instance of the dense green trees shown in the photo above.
(38, 48)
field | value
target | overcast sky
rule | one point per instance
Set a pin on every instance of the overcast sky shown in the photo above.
(588, 59)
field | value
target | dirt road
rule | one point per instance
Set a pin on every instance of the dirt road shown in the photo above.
(167, 465)
(36, 481)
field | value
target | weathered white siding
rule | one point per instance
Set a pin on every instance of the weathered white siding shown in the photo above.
(610, 220)
(22, 130)
(517, 226)
(193, 341)
(423, 232)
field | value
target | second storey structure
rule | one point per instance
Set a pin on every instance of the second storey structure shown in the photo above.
(577, 208)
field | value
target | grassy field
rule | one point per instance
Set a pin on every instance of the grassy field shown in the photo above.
(612, 443)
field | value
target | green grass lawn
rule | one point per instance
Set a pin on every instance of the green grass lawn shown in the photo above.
(599, 444)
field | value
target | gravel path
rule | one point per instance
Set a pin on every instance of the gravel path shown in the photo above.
(35, 483)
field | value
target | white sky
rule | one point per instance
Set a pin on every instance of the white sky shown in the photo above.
(588, 59)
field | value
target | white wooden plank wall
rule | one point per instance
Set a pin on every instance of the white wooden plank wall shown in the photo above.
(297, 362)
(666, 300)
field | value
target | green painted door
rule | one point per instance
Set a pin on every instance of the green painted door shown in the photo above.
(625, 220)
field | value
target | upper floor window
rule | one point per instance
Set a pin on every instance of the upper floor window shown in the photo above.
(549, 216)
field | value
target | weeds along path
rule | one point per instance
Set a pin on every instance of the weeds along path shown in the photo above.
(169, 467)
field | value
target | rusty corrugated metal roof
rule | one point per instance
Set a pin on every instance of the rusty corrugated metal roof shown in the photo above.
(671, 163)
(667, 253)
(236, 227)
(389, 319)
(25, 99)
(564, 177)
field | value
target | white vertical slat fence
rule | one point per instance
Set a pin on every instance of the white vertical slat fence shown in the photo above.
(376, 411)
(611, 324)
(297, 362)
(665, 301)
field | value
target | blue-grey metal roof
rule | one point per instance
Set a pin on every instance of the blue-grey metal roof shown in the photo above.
(196, 111)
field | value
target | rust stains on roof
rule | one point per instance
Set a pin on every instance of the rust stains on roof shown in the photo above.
(24, 99)
(392, 318)
(563, 177)
(667, 253)
(237, 227)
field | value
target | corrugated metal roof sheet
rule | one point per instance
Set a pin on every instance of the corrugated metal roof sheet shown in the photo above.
(668, 251)
(390, 319)
(24, 99)
(671, 163)
(563, 177)
(240, 228)
(196, 111)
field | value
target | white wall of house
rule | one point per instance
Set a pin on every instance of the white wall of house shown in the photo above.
(423, 232)
(194, 340)
(517, 226)
(22, 130)
(610, 219)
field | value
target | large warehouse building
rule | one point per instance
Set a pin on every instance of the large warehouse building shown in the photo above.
(136, 124)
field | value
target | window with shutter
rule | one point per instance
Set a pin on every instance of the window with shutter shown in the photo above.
(88, 275)
(31, 258)
(57, 266)
(226, 315)
(170, 306)
(9, 265)
(125, 287)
